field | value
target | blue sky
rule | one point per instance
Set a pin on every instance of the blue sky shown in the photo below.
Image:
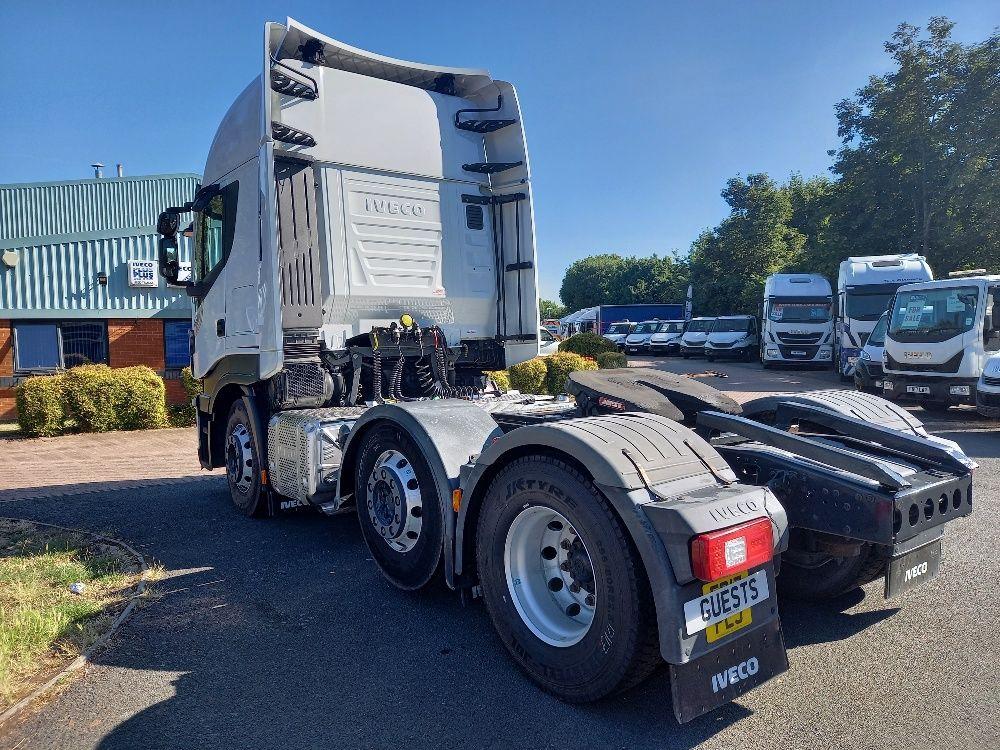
(636, 112)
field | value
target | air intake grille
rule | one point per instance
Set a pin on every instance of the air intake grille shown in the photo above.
(473, 216)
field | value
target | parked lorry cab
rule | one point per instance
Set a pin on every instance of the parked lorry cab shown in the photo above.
(733, 336)
(637, 341)
(868, 373)
(617, 332)
(666, 339)
(797, 317)
(364, 253)
(939, 337)
(865, 286)
(988, 390)
(693, 339)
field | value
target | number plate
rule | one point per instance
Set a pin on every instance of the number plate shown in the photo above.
(725, 606)
(913, 568)
(796, 353)
(878, 383)
(918, 389)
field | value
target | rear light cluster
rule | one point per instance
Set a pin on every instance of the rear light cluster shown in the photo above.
(732, 550)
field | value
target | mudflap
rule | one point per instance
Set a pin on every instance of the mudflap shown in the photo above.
(727, 672)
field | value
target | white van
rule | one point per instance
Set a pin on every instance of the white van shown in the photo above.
(637, 341)
(988, 391)
(735, 336)
(693, 339)
(667, 338)
(617, 332)
(868, 373)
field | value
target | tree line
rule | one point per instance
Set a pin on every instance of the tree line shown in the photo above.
(916, 171)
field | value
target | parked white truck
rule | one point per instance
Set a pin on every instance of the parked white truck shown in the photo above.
(865, 287)
(988, 390)
(363, 254)
(940, 335)
(797, 317)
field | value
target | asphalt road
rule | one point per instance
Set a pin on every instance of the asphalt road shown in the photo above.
(282, 633)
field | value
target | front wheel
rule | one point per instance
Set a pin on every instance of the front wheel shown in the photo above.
(562, 582)
(244, 463)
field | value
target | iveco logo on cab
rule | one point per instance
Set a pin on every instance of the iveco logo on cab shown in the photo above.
(389, 206)
(915, 572)
(731, 676)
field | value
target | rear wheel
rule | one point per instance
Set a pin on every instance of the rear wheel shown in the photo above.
(935, 406)
(398, 507)
(709, 357)
(562, 583)
(823, 577)
(244, 463)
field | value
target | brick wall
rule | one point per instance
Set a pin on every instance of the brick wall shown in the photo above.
(7, 409)
(130, 342)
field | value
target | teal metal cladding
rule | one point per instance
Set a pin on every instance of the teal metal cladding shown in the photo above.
(65, 234)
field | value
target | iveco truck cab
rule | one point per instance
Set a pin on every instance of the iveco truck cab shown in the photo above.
(865, 286)
(988, 390)
(797, 319)
(733, 336)
(939, 337)
(694, 336)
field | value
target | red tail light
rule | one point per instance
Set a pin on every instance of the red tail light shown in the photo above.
(733, 550)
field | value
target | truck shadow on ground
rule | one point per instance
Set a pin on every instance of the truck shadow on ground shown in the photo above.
(282, 633)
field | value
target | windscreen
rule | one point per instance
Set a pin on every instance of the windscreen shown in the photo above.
(700, 326)
(676, 327)
(931, 315)
(619, 327)
(861, 306)
(878, 332)
(731, 325)
(799, 312)
(645, 328)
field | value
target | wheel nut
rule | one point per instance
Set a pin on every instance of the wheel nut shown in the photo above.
(590, 600)
(575, 588)
(564, 566)
(565, 544)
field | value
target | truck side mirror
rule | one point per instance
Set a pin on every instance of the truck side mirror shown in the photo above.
(168, 255)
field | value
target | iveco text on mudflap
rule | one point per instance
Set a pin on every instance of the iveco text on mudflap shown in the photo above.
(364, 256)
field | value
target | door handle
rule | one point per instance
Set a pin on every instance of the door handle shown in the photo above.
(220, 327)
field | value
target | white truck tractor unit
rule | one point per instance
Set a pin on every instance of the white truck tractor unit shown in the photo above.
(988, 390)
(364, 254)
(797, 320)
(865, 287)
(939, 337)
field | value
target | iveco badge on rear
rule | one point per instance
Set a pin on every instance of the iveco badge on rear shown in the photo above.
(742, 671)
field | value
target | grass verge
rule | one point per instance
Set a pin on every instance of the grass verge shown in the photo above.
(43, 625)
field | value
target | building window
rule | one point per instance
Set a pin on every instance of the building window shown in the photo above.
(84, 343)
(46, 347)
(36, 347)
(176, 336)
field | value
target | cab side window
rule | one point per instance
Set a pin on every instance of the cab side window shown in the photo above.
(992, 343)
(215, 227)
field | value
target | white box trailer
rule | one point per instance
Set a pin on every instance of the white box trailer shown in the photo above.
(364, 256)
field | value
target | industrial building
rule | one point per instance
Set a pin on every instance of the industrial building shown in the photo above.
(79, 280)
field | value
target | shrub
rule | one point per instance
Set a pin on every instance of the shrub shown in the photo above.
(500, 379)
(587, 345)
(40, 410)
(529, 377)
(559, 366)
(100, 398)
(182, 415)
(611, 360)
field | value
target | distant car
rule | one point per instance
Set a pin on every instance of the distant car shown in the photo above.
(547, 343)
(667, 338)
(617, 332)
(868, 368)
(637, 342)
(734, 337)
(693, 339)
(988, 390)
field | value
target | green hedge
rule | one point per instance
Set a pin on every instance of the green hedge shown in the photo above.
(99, 398)
(611, 360)
(528, 377)
(559, 366)
(587, 345)
(40, 408)
(501, 379)
(182, 415)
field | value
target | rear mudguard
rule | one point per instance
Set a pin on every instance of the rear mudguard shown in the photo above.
(666, 485)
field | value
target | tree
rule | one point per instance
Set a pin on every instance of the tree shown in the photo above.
(730, 263)
(611, 279)
(918, 162)
(549, 309)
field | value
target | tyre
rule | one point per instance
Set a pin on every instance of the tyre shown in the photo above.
(829, 578)
(398, 507)
(709, 357)
(685, 355)
(748, 355)
(563, 585)
(244, 463)
(938, 407)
